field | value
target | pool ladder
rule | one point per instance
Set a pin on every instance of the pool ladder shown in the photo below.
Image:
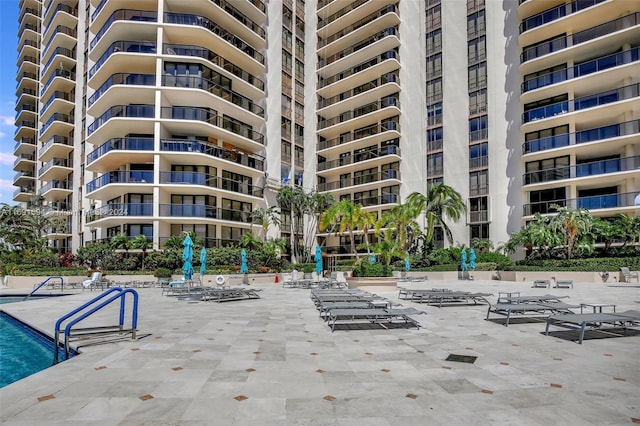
(64, 325)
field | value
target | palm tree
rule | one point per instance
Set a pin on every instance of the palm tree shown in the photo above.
(570, 224)
(250, 240)
(440, 202)
(401, 220)
(120, 241)
(346, 214)
(266, 217)
(482, 245)
(140, 242)
(630, 227)
(295, 201)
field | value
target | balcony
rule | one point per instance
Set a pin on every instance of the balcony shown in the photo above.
(124, 15)
(584, 102)
(62, 97)
(60, 80)
(124, 147)
(126, 211)
(479, 162)
(138, 47)
(201, 21)
(359, 157)
(23, 194)
(379, 36)
(55, 169)
(122, 111)
(61, 58)
(122, 79)
(386, 56)
(57, 146)
(586, 68)
(240, 17)
(391, 77)
(24, 146)
(190, 210)
(210, 181)
(390, 101)
(137, 177)
(362, 133)
(378, 201)
(56, 190)
(598, 202)
(596, 134)
(562, 42)
(584, 170)
(356, 25)
(479, 216)
(360, 180)
(24, 162)
(253, 161)
(68, 39)
(24, 178)
(214, 58)
(556, 13)
(58, 123)
(184, 81)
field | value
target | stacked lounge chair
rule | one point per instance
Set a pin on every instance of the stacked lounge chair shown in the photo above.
(530, 307)
(443, 297)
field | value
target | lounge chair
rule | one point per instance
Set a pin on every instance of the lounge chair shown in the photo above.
(374, 316)
(564, 284)
(92, 282)
(541, 284)
(628, 275)
(607, 322)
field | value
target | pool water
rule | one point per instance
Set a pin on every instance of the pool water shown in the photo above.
(23, 350)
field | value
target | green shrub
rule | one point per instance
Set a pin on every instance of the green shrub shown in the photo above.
(367, 269)
(597, 264)
(503, 263)
(162, 273)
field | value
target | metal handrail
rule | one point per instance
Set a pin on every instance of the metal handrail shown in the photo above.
(121, 294)
(42, 284)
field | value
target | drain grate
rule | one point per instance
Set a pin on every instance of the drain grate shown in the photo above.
(462, 358)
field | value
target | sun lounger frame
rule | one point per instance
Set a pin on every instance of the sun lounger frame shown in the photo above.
(597, 321)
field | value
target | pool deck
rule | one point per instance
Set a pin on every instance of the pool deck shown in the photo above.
(273, 361)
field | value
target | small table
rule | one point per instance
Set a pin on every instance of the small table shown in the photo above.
(597, 307)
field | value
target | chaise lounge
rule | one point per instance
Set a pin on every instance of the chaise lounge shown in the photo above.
(610, 323)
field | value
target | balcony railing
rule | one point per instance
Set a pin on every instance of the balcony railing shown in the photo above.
(146, 47)
(240, 17)
(556, 13)
(583, 136)
(124, 15)
(125, 79)
(478, 190)
(589, 101)
(56, 140)
(139, 177)
(562, 42)
(119, 209)
(71, 76)
(24, 141)
(479, 162)
(359, 24)
(391, 31)
(56, 95)
(212, 181)
(183, 145)
(391, 77)
(586, 68)
(595, 202)
(128, 111)
(374, 129)
(201, 52)
(57, 116)
(360, 157)
(391, 54)
(479, 216)
(213, 88)
(23, 190)
(125, 144)
(201, 21)
(390, 101)
(359, 180)
(58, 51)
(56, 184)
(329, 19)
(60, 29)
(25, 123)
(379, 200)
(55, 162)
(61, 7)
(594, 168)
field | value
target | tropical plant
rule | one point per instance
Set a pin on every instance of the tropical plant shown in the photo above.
(401, 222)
(120, 241)
(481, 245)
(249, 240)
(441, 202)
(571, 224)
(140, 242)
(266, 216)
(346, 215)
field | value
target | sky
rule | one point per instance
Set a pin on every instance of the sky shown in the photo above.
(8, 56)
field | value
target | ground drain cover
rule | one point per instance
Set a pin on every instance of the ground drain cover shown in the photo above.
(462, 358)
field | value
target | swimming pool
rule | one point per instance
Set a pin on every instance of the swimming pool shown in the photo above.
(23, 350)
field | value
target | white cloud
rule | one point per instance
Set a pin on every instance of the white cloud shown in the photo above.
(6, 191)
(7, 120)
(7, 159)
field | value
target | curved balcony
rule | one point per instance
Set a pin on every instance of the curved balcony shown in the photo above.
(122, 111)
(369, 179)
(24, 162)
(57, 124)
(598, 202)
(247, 22)
(556, 12)
(126, 86)
(26, 94)
(57, 146)
(584, 170)
(23, 194)
(24, 128)
(49, 13)
(205, 181)
(60, 80)
(581, 103)
(214, 58)
(25, 112)
(127, 211)
(24, 178)
(560, 43)
(121, 151)
(365, 135)
(30, 78)
(203, 22)
(146, 48)
(586, 68)
(596, 134)
(378, 201)
(373, 157)
(124, 15)
(183, 81)
(64, 103)
(391, 78)
(210, 116)
(190, 210)
(55, 169)
(135, 178)
(253, 161)
(56, 190)
(387, 39)
(24, 146)
(62, 37)
(336, 12)
(388, 102)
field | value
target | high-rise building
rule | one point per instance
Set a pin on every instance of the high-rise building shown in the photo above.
(156, 117)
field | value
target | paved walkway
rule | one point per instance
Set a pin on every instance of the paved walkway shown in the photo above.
(273, 361)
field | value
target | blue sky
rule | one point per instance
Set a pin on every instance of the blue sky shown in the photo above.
(8, 56)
